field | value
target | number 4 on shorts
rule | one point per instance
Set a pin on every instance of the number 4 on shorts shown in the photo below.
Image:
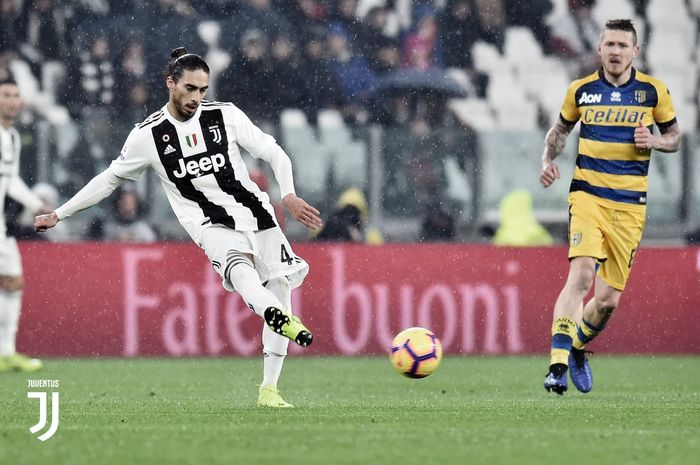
(285, 257)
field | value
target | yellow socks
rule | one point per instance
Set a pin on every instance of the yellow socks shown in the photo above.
(563, 333)
(585, 334)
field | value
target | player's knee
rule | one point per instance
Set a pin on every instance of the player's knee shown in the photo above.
(607, 305)
(581, 275)
(583, 280)
(238, 265)
(11, 283)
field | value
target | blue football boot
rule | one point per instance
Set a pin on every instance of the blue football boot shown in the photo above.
(581, 374)
(554, 383)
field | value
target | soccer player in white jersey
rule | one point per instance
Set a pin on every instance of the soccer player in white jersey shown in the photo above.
(193, 146)
(11, 184)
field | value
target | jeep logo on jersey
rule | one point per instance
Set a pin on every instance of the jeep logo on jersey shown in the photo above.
(590, 98)
(200, 167)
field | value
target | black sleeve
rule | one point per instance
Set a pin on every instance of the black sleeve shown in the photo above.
(566, 121)
(663, 127)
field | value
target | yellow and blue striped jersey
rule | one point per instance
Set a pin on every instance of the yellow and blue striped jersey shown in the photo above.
(608, 165)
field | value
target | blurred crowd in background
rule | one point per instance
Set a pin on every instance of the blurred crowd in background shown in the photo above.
(98, 65)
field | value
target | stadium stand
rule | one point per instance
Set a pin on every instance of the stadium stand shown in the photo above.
(506, 164)
(311, 160)
(514, 77)
(348, 155)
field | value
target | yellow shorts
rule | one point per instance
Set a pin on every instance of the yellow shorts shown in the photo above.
(609, 235)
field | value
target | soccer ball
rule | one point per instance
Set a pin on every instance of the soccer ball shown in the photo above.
(416, 352)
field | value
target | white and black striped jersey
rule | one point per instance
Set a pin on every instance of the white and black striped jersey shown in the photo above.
(200, 166)
(10, 182)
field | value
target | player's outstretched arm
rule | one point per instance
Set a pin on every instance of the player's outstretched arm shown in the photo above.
(302, 211)
(100, 187)
(554, 143)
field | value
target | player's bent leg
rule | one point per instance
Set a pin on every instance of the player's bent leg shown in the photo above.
(295, 329)
(241, 273)
(274, 343)
(287, 325)
(605, 301)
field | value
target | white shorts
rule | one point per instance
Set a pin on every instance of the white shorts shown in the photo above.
(10, 260)
(272, 255)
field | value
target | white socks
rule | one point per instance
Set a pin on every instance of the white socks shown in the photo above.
(272, 368)
(10, 306)
(241, 272)
(274, 345)
(277, 293)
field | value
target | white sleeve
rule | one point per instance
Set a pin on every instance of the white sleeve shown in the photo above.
(264, 146)
(19, 191)
(133, 158)
(282, 167)
(100, 187)
(249, 136)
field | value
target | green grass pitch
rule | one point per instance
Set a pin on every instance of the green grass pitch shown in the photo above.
(473, 410)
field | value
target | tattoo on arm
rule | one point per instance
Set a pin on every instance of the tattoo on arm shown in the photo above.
(669, 141)
(555, 140)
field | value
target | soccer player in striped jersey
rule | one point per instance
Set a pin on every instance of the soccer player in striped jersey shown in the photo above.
(193, 147)
(11, 281)
(617, 107)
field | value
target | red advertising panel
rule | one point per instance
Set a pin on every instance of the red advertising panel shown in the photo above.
(99, 299)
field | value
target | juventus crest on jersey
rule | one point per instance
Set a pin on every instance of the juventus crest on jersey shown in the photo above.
(200, 166)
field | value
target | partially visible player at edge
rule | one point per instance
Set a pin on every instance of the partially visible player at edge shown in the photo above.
(193, 146)
(617, 106)
(11, 282)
